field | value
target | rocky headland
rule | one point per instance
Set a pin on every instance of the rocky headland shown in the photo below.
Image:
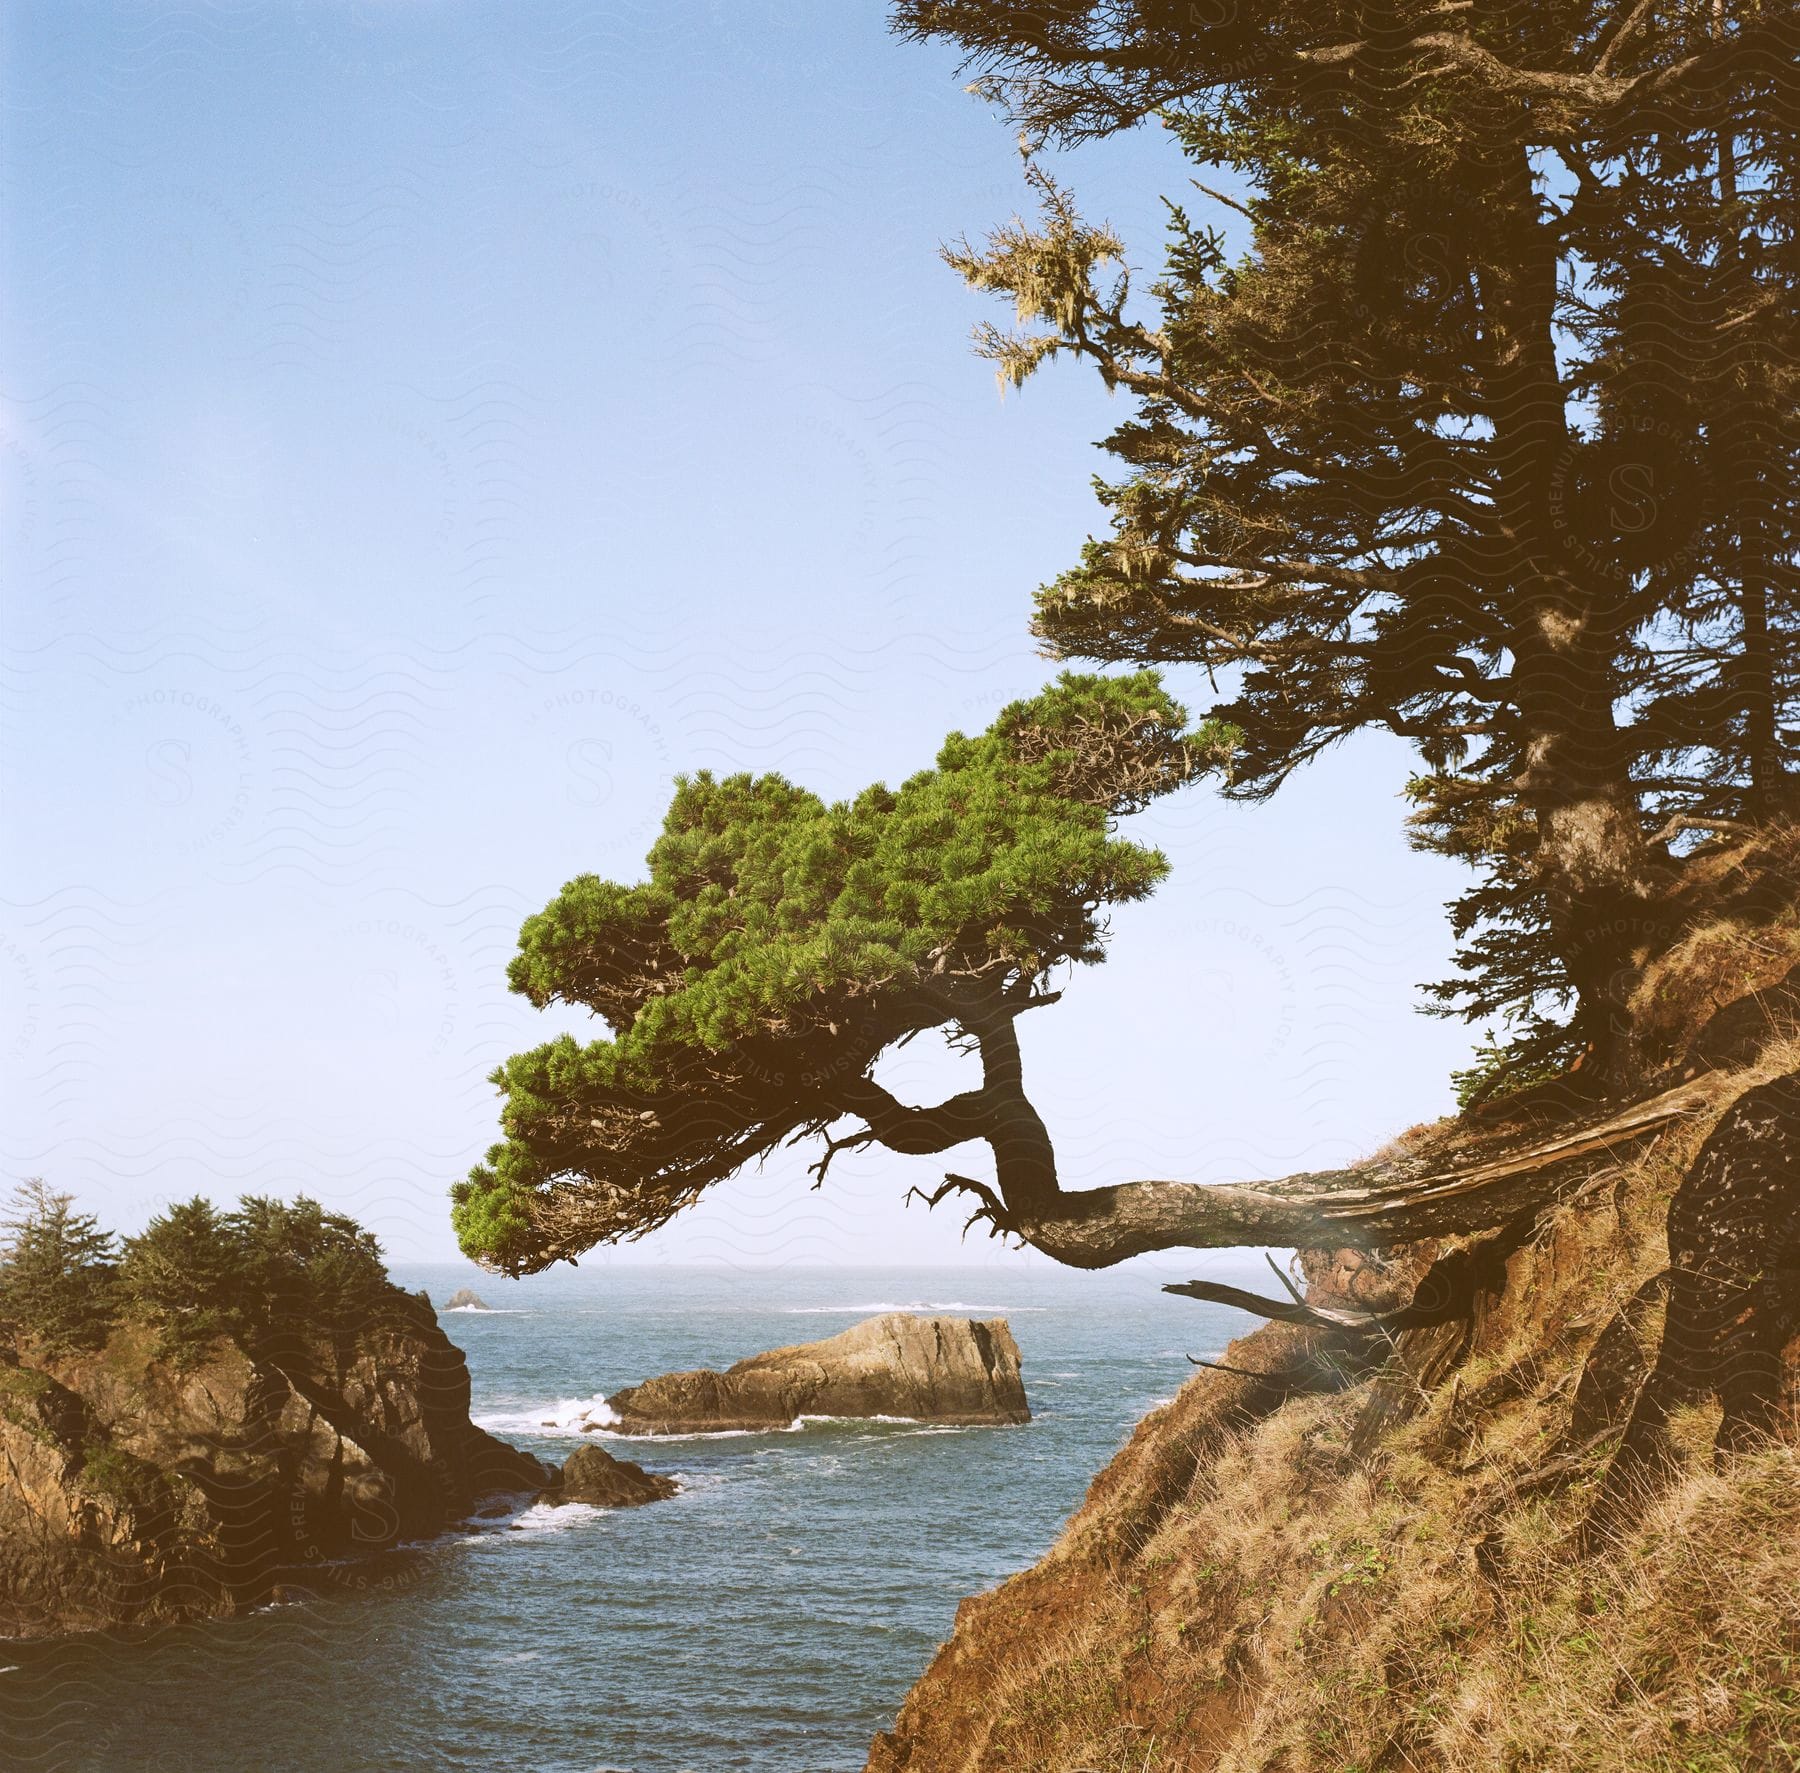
(925, 1369)
(142, 1485)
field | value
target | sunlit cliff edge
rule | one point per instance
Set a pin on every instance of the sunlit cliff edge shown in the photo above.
(1555, 1527)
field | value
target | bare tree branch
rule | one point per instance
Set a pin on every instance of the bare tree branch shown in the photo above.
(1371, 1204)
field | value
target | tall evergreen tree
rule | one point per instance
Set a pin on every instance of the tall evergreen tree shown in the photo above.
(185, 1272)
(1438, 453)
(57, 1270)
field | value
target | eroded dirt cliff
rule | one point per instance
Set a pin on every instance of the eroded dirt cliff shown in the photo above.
(1554, 1523)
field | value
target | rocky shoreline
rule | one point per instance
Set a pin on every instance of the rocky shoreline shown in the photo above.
(138, 1490)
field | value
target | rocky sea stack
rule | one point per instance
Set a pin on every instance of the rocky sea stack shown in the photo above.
(592, 1475)
(925, 1369)
(466, 1299)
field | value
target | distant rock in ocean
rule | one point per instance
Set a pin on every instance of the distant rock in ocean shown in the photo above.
(591, 1474)
(466, 1299)
(925, 1369)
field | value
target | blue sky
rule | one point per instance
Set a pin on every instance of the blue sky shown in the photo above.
(428, 427)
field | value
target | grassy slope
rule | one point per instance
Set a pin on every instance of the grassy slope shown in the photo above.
(1387, 1577)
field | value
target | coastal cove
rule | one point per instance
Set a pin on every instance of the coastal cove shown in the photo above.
(772, 1616)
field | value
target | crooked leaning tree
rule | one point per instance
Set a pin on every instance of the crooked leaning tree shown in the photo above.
(1487, 438)
(781, 946)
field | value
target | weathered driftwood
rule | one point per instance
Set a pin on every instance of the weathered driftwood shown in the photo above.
(1284, 1311)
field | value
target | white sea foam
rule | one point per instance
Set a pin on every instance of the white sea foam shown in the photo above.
(569, 1415)
(487, 1311)
(538, 1521)
(704, 1434)
(592, 1416)
(799, 1425)
(803, 1421)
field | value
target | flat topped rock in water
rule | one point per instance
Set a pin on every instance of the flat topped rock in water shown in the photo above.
(466, 1299)
(927, 1369)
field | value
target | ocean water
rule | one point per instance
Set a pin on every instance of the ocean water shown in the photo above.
(770, 1617)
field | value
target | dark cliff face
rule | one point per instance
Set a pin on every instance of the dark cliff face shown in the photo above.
(927, 1369)
(136, 1491)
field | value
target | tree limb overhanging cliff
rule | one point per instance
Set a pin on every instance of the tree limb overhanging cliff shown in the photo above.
(781, 947)
(1379, 1203)
(1472, 1531)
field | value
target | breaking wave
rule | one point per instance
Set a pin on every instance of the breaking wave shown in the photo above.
(567, 1416)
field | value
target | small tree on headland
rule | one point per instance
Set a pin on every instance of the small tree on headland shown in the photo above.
(304, 1271)
(57, 1270)
(186, 1274)
(781, 945)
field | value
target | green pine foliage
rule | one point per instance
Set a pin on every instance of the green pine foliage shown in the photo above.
(184, 1273)
(273, 1275)
(781, 943)
(304, 1271)
(58, 1270)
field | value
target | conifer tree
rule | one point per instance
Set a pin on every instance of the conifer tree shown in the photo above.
(1485, 441)
(185, 1273)
(57, 1270)
(781, 945)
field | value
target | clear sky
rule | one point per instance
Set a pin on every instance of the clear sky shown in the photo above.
(428, 427)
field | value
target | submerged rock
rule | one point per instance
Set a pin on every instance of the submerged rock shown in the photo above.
(591, 1474)
(925, 1369)
(466, 1299)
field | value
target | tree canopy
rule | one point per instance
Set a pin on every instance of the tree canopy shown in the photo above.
(273, 1273)
(276, 1275)
(1487, 439)
(58, 1269)
(781, 944)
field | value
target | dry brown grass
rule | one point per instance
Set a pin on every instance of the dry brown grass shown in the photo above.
(1304, 1616)
(1292, 1608)
(1747, 944)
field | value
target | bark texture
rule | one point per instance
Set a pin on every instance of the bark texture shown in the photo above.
(1379, 1203)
